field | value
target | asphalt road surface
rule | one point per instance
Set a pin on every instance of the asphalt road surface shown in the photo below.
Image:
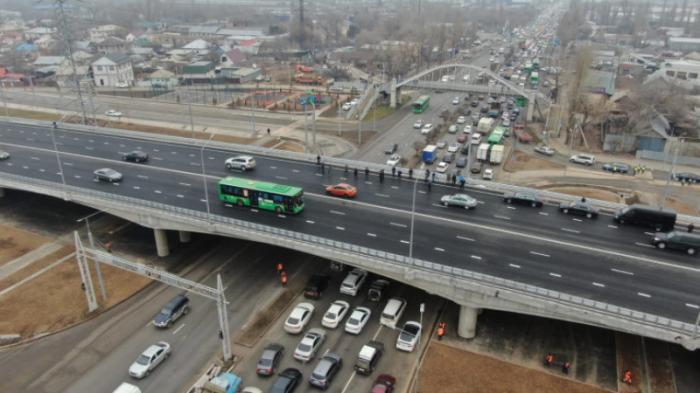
(596, 259)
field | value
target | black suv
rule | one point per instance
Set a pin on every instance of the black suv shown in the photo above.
(579, 208)
(135, 156)
(675, 240)
(315, 286)
(287, 381)
(177, 307)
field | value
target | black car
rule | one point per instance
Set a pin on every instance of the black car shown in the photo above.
(325, 370)
(177, 307)
(377, 288)
(135, 156)
(315, 286)
(391, 149)
(484, 109)
(523, 198)
(579, 208)
(461, 162)
(287, 381)
(467, 112)
(616, 167)
(675, 240)
(661, 219)
(270, 358)
(687, 178)
(448, 158)
(474, 103)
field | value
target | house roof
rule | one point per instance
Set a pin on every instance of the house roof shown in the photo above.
(600, 82)
(247, 42)
(235, 56)
(26, 47)
(161, 74)
(197, 44)
(48, 60)
(111, 41)
(116, 58)
(203, 29)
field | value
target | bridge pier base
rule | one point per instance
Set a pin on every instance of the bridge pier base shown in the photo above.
(466, 326)
(185, 236)
(393, 98)
(530, 109)
(161, 237)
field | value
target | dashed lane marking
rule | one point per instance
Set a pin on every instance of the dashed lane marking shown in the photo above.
(178, 329)
(511, 207)
(439, 249)
(640, 244)
(395, 187)
(501, 217)
(469, 239)
(371, 234)
(158, 191)
(514, 266)
(539, 254)
(137, 188)
(340, 228)
(180, 196)
(612, 226)
(693, 306)
(398, 224)
(625, 272)
(599, 285)
(570, 230)
(310, 222)
(382, 195)
(185, 184)
(557, 275)
(337, 212)
(281, 177)
(543, 213)
(642, 294)
(142, 177)
(405, 242)
(477, 257)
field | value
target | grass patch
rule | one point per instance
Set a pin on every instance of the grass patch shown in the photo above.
(31, 114)
(379, 113)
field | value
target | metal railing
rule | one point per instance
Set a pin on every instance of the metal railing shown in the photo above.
(227, 225)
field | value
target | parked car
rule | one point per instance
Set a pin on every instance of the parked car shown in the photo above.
(467, 129)
(343, 190)
(299, 318)
(241, 163)
(309, 344)
(676, 240)
(368, 357)
(441, 144)
(149, 359)
(176, 308)
(488, 174)
(408, 336)
(452, 129)
(135, 156)
(347, 106)
(616, 167)
(455, 101)
(325, 370)
(357, 320)
(544, 149)
(459, 200)
(113, 113)
(655, 217)
(461, 120)
(461, 162)
(579, 208)
(475, 167)
(287, 381)
(523, 198)
(315, 286)
(476, 138)
(453, 148)
(448, 158)
(269, 359)
(377, 289)
(427, 129)
(583, 159)
(336, 312)
(394, 160)
(391, 149)
(353, 281)
(418, 124)
(384, 383)
(108, 175)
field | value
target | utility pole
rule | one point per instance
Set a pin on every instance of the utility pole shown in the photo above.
(67, 37)
(301, 24)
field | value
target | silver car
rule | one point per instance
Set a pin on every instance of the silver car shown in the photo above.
(459, 200)
(241, 163)
(107, 174)
(4, 155)
(150, 359)
(309, 344)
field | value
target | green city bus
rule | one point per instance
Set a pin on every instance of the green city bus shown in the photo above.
(421, 104)
(263, 195)
(496, 136)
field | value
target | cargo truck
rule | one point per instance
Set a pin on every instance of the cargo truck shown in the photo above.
(429, 154)
(490, 153)
(485, 125)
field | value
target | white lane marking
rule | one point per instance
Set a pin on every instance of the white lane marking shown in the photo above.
(439, 249)
(77, 176)
(625, 272)
(398, 224)
(337, 212)
(643, 245)
(158, 191)
(156, 150)
(205, 201)
(475, 257)
(68, 163)
(173, 152)
(382, 195)
(649, 233)
(142, 177)
(310, 222)
(405, 242)
(273, 167)
(295, 171)
(281, 216)
(280, 177)
(514, 265)
(180, 196)
(642, 294)
(319, 174)
(540, 254)
(480, 202)
(25, 167)
(178, 329)
(340, 228)
(439, 205)
(511, 207)
(137, 188)
(121, 145)
(469, 239)
(557, 275)
(368, 182)
(395, 187)
(501, 217)
(543, 213)
(422, 192)
(693, 306)
(42, 170)
(185, 184)
(577, 219)
(194, 164)
(371, 234)
(597, 284)
(212, 158)
(157, 158)
(35, 158)
(105, 143)
(89, 140)
(570, 230)
(254, 210)
(612, 226)
(191, 154)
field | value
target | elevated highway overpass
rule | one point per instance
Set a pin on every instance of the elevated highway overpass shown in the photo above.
(584, 271)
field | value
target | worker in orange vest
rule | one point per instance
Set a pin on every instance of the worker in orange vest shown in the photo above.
(627, 377)
(283, 278)
(549, 359)
(280, 267)
(441, 330)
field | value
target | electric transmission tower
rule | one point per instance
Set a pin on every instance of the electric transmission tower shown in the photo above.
(68, 41)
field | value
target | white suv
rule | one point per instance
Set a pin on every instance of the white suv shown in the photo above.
(353, 281)
(242, 163)
(583, 159)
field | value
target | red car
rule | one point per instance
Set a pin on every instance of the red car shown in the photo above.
(342, 190)
(383, 384)
(462, 138)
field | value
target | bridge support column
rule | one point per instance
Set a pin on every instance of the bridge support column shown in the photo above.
(393, 99)
(161, 242)
(185, 237)
(2, 192)
(466, 327)
(530, 109)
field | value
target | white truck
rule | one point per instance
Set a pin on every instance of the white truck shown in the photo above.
(490, 153)
(485, 124)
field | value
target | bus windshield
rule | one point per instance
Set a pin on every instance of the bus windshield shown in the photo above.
(421, 104)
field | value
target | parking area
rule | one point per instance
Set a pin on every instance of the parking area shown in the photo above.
(394, 362)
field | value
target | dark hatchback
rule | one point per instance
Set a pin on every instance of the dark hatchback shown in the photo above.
(579, 208)
(135, 156)
(675, 240)
(523, 198)
(287, 381)
(325, 370)
(270, 358)
(315, 286)
(177, 307)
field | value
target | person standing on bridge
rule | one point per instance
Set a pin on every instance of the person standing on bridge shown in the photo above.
(627, 377)
(280, 268)
(283, 279)
(442, 326)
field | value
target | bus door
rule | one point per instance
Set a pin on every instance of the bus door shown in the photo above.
(254, 195)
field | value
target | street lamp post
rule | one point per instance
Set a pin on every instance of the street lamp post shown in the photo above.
(417, 384)
(58, 159)
(204, 177)
(413, 219)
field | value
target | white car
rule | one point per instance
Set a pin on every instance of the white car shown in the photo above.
(408, 336)
(461, 120)
(453, 148)
(488, 174)
(121, 85)
(299, 318)
(393, 160)
(4, 155)
(583, 159)
(452, 129)
(149, 359)
(442, 167)
(347, 106)
(426, 129)
(455, 101)
(336, 312)
(441, 144)
(353, 281)
(505, 122)
(309, 344)
(466, 78)
(241, 163)
(476, 138)
(467, 129)
(357, 320)
(113, 113)
(445, 78)
(418, 124)
(251, 389)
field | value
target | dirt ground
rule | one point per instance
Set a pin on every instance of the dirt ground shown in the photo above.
(15, 242)
(450, 370)
(675, 204)
(57, 296)
(35, 266)
(180, 133)
(588, 192)
(520, 161)
(291, 146)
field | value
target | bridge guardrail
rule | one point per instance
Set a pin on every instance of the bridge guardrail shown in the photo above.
(340, 163)
(202, 218)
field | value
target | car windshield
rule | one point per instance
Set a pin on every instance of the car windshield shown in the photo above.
(353, 321)
(143, 360)
(406, 336)
(292, 321)
(331, 315)
(265, 362)
(304, 347)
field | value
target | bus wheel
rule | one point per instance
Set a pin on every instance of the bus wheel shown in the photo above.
(239, 203)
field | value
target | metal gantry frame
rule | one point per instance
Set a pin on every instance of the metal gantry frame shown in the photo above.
(216, 294)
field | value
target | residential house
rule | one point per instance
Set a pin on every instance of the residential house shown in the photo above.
(47, 64)
(103, 32)
(64, 74)
(647, 132)
(45, 42)
(232, 58)
(162, 79)
(240, 74)
(37, 32)
(113, 70)
(199, 72)
(251, 46)
(111, 45)
(600, 82)
(197, 47)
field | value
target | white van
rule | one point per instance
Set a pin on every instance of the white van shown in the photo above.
(392, 312)
(127, 388)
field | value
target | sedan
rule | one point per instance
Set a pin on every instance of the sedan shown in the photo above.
(113, 113)
(325, 370)
(391, 149)
(135, 156)
(383, 384)
(686, 177)
(544, 149)
(461, 120)
(299, 318)
(579, 208)
(394, 160)
(287, 381)
(452, 129)
(149, 359)
(459, 200)
(4, 155)
(441, 144)
(523, 198)
(270, 358)
(309, 344)
(343, 190)
(461, 162)
(408, 337)
(418, 124)
(427, 129)
(453, 148)
(347, 106)
(462, 138)
(336, 312)
(357, 320)
(442, 167)
(467, 129)
(107, 174)
(448, 158)
(616, 167)
(455, 101)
